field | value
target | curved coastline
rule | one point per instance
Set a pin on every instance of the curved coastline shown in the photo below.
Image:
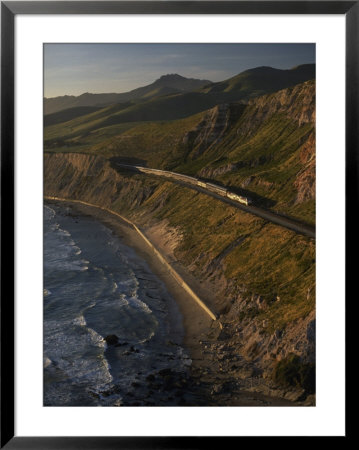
(214, 316)
(197, 324)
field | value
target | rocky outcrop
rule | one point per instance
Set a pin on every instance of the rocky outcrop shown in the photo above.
(297, 103)
(267, 348)
(305, 180)
(238, 129)
(212, 172)
(91, 178)
(211, 129)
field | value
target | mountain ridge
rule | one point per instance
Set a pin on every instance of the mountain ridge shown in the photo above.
(155, 105)
(166, 84)
(249, 83)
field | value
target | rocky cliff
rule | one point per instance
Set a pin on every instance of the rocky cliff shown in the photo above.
(262, 277)
(297, 103)
(266, 147)
(212, 128)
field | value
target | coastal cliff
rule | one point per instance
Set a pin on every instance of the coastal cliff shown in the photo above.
(264, 149)
(260, 278)
(267, 147)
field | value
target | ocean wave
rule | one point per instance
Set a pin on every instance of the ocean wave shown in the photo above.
(108, 298)
(47, 362)
(121, 300)
(49, 213)
(61, 251)
(61, 265)
(80, 321)
(148, 338)
(137, 303)
(68, 345)
(64, 233)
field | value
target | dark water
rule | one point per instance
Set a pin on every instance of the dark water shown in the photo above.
(95, 286)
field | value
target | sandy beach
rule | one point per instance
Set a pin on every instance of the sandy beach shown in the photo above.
(211, 379)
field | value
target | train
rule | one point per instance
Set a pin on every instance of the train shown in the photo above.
(224, 192)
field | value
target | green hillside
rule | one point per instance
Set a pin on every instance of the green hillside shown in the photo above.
(263, 80)
(68, 114)
(217, 239)
(256, 149)
(151, 103)
(158, 109)
(167, 84)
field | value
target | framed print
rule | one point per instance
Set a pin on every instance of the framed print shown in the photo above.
(175, 177)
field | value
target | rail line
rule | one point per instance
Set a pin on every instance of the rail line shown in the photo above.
(225, 195)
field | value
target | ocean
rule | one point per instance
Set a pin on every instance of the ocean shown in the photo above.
(95, 287)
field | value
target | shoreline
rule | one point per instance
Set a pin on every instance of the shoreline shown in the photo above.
(195, 321)
(198, 327)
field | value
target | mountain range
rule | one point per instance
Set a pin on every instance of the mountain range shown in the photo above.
(179, 96)
(165, 85)
(257, 120)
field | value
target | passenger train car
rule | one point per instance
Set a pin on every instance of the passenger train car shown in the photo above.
(192, 180)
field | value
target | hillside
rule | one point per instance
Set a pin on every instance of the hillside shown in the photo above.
(267, 153)
(261, 144)
(166, 84)
(264, 149)
(162, 100)
(68, 114)
(261, 277)
(262, 80)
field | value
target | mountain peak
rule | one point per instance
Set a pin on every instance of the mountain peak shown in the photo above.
(171, 77)
(179, 83)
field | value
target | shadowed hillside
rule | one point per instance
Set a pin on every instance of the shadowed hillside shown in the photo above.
(183, 96)
(68, 114)
(167, 84)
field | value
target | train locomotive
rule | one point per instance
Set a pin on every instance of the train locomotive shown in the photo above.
(224, 192)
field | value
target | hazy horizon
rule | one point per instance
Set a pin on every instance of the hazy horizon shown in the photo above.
(73, 69)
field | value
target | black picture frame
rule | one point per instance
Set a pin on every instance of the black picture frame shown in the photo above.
(9, 9)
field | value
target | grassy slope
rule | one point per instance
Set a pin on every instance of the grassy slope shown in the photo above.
(157, 109)
(268, 155)
(160, 145)
(263, 80)
(271, 155)
(157, 143)
(269, 261)
(68, 114)
(256, 257)
(167, 84)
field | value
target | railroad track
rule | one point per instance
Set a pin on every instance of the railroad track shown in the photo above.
(223, 194)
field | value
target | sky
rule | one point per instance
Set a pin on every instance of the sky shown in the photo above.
(72, 69)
